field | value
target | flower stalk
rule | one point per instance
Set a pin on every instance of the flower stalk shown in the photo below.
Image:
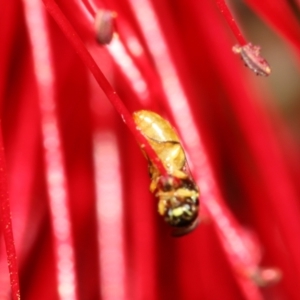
(111, 94)
(6, 227)
(225, 11)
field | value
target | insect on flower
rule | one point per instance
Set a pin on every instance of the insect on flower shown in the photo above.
(177, 193)
(250, 54)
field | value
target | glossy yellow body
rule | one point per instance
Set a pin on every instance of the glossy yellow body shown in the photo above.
(163, 139)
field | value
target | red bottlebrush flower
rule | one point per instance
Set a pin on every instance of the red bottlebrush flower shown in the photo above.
(74, 181)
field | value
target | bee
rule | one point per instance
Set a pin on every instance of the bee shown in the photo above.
(177, 192)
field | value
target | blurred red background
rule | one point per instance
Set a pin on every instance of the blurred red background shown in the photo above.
(84, 222)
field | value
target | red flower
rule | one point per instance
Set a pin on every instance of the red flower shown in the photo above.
(85, 224)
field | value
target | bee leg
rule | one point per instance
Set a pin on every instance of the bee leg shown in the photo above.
(179, 174)
(186, 193)
(153, 185)
(161, 207)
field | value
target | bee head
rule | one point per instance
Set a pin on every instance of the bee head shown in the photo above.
(178, 203)
(183, 216)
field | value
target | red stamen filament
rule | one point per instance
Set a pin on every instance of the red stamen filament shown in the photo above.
(6, 224)
(55, 171)
(111, 94)
(223, 8)
(235, 248)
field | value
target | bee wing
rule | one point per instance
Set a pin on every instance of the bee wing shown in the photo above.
(170, 153)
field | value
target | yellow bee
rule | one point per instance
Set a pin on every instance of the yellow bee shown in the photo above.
(177, 192)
